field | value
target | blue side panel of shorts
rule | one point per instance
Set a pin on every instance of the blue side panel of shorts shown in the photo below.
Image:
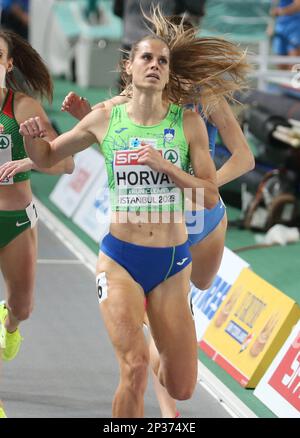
(211, 219)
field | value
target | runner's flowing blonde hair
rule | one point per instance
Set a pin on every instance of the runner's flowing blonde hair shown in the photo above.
(201, 68)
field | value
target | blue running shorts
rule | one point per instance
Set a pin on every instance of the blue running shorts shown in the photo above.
(148, 266)
(211, 219)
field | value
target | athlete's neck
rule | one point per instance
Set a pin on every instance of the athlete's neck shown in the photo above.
(147, 108)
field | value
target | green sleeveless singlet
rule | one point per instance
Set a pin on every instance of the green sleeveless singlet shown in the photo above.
(136, 187)
(11, 142)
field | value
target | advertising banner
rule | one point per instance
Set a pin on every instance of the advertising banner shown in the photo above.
(279, 389)
(206, 303)
(249, 328)
(71, 189)
(93, 214)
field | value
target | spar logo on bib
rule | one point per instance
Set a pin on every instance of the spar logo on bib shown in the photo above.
(139, 186)
(128, 172)
(4, 142)
(128, 158)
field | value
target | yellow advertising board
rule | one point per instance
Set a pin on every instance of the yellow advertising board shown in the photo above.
(249, 328)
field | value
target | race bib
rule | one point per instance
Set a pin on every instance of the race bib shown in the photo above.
(138, 185)
(102, 289)
(5, 154)
(32, 214)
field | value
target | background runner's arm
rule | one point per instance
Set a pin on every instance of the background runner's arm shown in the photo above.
(64, 166)
(202, 164)
(241, 160)
(12, 168)
(79, 107)
(116, 100)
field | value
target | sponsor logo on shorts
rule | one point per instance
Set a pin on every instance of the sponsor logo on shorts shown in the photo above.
(20, 224)
(182, 261)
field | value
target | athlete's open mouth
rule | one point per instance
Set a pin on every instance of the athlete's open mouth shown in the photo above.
(153, 75)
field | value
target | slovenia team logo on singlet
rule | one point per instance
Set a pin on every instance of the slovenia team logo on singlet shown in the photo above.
(169, 134)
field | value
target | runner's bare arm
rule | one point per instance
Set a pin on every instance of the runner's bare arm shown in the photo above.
(241, 160)
(204, 169)
(109, 103)
(46, 154)
(64, 166)
(202, 164)
(79, 107)
(27, 107)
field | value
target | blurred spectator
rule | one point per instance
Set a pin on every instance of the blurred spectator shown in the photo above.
(286, 34)
(15, 16)
(92, 11)
(195, 9)
(134, 22)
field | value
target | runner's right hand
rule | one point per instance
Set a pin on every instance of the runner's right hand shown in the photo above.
(33, 128)
(75, 105)
(12, 168)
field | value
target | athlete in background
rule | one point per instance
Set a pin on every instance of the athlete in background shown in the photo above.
(18, 215)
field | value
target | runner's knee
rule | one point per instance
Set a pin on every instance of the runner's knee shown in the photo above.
(135, 372)
(181, 384)
(19, 311)
(202, 282)
(180, 390)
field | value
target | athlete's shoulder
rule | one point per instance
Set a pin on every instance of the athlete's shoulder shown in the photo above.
(23, 98)
(96, 122)
(101, 113)
(191, 117)
(194, 126)
(119, 100)
(26, 106)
